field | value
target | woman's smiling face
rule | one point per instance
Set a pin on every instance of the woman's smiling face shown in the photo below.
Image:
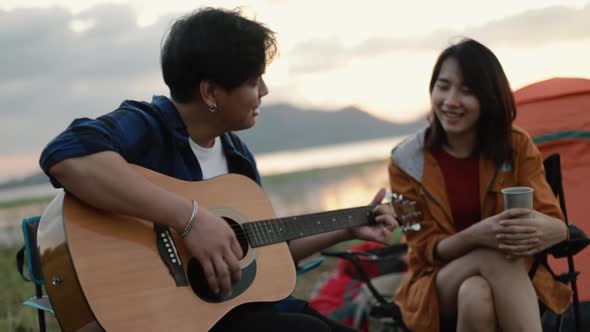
(453, 103)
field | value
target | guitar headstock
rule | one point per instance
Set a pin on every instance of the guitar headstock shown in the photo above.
(408, 213)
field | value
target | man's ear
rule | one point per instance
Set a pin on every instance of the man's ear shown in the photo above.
(207, 91)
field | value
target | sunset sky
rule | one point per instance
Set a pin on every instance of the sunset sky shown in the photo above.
(63, 59)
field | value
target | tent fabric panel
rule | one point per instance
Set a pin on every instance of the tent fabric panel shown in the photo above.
(570, 113)
(551, 88)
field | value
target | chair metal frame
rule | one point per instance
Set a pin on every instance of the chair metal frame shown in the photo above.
(568, 248)
(29, 255)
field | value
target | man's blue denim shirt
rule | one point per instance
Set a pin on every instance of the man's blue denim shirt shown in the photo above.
(151, 135)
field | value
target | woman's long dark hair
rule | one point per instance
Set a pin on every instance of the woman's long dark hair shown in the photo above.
(484, 76)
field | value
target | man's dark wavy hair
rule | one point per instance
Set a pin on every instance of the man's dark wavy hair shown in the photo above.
(217, 45)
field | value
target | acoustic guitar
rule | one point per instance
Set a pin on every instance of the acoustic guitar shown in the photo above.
(105, 271)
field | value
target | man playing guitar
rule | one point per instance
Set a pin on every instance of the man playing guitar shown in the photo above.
(212, 61)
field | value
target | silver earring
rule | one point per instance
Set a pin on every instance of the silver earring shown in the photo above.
(213, 109)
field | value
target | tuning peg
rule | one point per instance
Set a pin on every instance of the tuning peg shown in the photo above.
(389, 195)
(411, 227)
(415, 227)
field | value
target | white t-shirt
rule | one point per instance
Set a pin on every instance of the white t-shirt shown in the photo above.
(212, 160)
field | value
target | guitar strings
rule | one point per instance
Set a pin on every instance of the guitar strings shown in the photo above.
(241, 233)
(300, 221)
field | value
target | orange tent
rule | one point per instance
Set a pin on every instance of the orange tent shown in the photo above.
(556, 113)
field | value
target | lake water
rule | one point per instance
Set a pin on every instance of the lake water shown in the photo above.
(274, 164)
(326, 156)
(296, 182)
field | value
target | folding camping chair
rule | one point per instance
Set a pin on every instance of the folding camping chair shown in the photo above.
(577, 241)
(29, 255)
(385, 309)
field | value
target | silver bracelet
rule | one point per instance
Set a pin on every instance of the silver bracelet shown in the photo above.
(191, 221)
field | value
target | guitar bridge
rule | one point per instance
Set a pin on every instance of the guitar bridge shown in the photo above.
(169, 254)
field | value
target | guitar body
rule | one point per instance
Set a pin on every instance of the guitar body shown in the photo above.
(104, 271)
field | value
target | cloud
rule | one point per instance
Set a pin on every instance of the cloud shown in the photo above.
(537, 27)
(310, 56)
(527, 29)
(56, 65)
(52, 73)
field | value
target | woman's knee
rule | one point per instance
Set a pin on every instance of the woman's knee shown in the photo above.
(476, 302)
(491, 262)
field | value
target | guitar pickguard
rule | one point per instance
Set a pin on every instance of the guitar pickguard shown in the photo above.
(195, 272)
(198, 282)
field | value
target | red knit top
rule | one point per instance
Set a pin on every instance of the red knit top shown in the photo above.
(461, 177)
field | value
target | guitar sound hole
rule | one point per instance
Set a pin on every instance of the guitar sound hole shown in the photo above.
(198, 282)
(240, 234)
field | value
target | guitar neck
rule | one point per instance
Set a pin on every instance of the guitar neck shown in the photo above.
(265, 232)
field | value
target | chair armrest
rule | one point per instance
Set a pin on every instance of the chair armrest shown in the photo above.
(387, 259)
(40, 303)
(371, 254)
(577, 241)
(383, 252)
(302, 268)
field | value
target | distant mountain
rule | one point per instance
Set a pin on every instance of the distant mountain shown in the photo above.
(284, 127)
(37, 178)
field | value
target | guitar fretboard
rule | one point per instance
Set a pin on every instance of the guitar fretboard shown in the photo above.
(265, 232)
